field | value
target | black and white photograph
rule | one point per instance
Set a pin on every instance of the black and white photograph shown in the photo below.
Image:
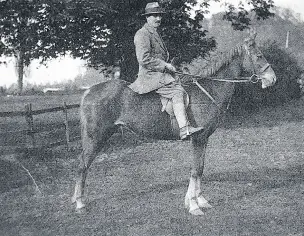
(151, 118)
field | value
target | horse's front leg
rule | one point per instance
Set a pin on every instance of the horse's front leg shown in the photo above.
(194, 199)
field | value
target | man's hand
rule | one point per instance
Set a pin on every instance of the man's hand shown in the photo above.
(170, 68)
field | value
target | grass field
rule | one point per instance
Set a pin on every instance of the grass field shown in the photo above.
(253, 178)
(17, 103)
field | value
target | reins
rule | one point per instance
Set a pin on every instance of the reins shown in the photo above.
(245, 79)
(253, 79)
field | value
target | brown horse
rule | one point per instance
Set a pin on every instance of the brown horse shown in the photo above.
(107, 106)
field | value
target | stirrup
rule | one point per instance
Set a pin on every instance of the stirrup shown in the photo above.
(184, 133)
(189, 130)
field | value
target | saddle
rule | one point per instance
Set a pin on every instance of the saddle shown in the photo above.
(165, 106)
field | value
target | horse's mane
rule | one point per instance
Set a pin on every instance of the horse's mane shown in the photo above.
(224, 59)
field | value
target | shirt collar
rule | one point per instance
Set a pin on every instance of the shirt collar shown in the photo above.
(150, 28)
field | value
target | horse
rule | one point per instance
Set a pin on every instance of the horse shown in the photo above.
(108, 106)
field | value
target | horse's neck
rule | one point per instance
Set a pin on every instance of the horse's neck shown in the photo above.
(221, 90)
(205, 111)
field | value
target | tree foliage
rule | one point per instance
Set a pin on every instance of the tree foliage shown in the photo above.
(43, 29)
(102, 32)
(240, 18)
(28, 26)
(183, 34)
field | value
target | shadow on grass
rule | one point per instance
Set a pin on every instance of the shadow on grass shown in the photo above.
(291, 111)
(46, 166)
(259, 180)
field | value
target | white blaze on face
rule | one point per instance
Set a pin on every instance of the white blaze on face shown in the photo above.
(260, 64)
(268, 78)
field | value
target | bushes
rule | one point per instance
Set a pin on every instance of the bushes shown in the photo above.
(252, 96)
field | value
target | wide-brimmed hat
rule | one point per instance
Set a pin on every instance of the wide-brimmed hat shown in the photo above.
(153, 8)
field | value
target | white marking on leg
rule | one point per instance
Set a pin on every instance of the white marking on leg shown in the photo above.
(77, 192)
(194, 208)
(190, 199)
(201, 201)
(77, 196)
(79, 203)
(190, 192)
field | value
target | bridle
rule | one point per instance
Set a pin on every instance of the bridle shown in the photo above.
(254, 78)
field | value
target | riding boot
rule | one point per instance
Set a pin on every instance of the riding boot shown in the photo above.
(182, 120)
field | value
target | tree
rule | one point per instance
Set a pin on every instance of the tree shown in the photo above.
(20, 24)
(240, 18)
(43, 29)
(184, 35)
(102, 32)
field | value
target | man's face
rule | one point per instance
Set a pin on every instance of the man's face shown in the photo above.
(154, 20)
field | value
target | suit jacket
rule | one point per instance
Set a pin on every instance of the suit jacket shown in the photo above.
(152, 56)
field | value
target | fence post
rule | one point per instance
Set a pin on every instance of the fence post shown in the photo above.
(30, 122)
(66, 124)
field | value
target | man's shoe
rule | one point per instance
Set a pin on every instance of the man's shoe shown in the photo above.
(189, 130)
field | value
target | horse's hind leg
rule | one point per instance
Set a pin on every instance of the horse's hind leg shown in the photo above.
(86, 158)
(92, 143)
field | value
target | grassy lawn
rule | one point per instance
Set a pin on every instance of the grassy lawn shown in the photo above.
(17, 103)
(253, 178)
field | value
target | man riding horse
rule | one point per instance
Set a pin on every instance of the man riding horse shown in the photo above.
(155, 73)
(108, 106)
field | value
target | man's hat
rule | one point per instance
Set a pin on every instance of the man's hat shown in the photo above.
(153, 8)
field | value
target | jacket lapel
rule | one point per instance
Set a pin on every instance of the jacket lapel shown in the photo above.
(162, 44)
(158, 38)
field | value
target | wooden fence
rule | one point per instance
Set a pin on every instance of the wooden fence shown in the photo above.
(31, 131)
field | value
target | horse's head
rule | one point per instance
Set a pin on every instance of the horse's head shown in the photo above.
(257, 63)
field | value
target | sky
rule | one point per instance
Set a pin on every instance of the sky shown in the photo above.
(56, 71)
(296, 5)
(65, 69)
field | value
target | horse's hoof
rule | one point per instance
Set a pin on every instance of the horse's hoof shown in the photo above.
(203, 204)
(80, 207)
(196, 212)
(79, 204)
(73, 199)
(81, 210)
